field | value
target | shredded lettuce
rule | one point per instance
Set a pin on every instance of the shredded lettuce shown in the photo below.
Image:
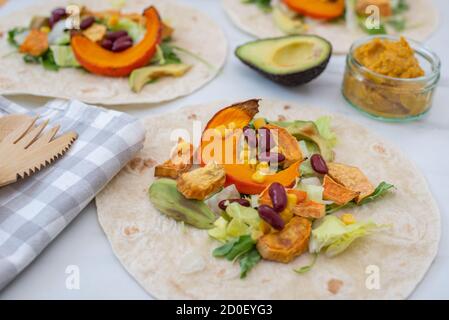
(238, 221)
(307, 267)
(333, 237)
(135, 30)
(58, 34)
(325, 129)
(16, 36)
(64, 57)
(314, 193)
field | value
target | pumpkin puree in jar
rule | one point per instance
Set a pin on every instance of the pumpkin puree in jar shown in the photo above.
(390, 58)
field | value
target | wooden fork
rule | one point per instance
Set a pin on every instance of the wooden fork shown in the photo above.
(25, 148)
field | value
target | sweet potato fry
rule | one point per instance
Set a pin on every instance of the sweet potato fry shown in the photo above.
(337, 192)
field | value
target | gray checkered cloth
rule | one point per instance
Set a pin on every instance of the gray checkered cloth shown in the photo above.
(35, 210)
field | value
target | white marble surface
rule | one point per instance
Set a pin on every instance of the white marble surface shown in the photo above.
(84, 244)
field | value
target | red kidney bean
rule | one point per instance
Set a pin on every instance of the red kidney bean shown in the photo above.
(123, 39)
(250, 136)
(114, 35)
(59, 12)
(265, 141)
(319, 164)
(278, 196)
(86, 23)
(271, 217)
(121, 46)
(271, 157)
(106, 44)
(223, 204)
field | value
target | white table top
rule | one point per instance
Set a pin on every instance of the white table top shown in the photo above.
(84, 244)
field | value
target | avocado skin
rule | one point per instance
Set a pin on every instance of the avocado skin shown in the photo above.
(296, 78)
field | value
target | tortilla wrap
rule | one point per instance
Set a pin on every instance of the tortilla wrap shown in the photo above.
(172, 261)
(194, 31)
(422, 17)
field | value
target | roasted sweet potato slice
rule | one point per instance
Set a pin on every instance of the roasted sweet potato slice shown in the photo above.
(180, 161)
(200, 183)
(352, 178)
(310, 209)
(35, 44)
(285, 245)
(287, 144)
(336, 192)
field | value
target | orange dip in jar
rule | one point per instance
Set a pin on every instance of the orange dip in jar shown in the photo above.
(390, 78)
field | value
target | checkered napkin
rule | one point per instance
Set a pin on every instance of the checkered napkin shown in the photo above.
(33, 211)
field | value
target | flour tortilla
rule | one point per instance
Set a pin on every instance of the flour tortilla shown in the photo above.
(194, 31)
(422, 16)
(172, 261)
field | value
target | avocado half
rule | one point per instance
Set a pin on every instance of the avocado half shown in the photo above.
(290, 60)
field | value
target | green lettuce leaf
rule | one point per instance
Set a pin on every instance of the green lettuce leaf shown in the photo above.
(64, 57)
(324, 128)
(14, 35)
(248, 261)
(381, 190)
(307, 267)
(333, 237)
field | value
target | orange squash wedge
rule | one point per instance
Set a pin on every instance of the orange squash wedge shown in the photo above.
(318, 9)
(103, 62)
(240, 174)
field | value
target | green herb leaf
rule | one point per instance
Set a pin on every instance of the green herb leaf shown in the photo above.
(248, 261)
(398, 24)
(308, 267)
(380, 191)
(12, 35)
(264, 5)
(28, 58)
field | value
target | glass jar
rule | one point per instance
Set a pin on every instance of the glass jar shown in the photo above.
(388, 98)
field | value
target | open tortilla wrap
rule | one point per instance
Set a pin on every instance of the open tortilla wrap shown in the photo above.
(422, 17)
(173, 261)
(194, 31)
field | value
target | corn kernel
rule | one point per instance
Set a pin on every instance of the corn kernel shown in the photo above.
(347, 218)
(259, 123)
(258, 177)
(292, 199)
(45, 29)
(286, 215)
(252, 163)
(113, 20)
(232, 125)
(221, 130)
(263, 166)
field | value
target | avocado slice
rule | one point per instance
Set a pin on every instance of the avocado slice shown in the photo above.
(290, 60)
(307, 130)
(290, 24)
(140, 77)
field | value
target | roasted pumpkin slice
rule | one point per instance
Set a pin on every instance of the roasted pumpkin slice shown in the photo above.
(318, 9)
(103, 62)
(287, 144)
(285, 245)
(238, 116)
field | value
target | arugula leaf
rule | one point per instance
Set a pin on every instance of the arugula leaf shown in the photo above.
(12, 35)
(401, 7)
(242, 249)
(380, 191)
(47, 60)
(264, 5)
(170, 56)
(224, 249)
(308, 267)
(248, 261)
(398, 24)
